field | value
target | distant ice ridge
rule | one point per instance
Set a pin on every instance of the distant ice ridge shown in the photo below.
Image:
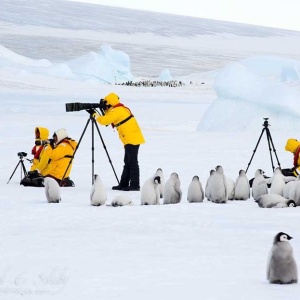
(252, 89)
(107, 66)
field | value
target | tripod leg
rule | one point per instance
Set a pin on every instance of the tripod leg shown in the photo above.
(14, 171)
(255, 148)
(83, 132)
(104, 146)
(270, 142)
(23, 168)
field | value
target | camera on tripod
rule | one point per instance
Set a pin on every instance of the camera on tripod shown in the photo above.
(44, 142)
(22, 154)
(77, 106)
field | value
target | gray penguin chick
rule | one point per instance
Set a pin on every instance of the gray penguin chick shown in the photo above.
(282, 267)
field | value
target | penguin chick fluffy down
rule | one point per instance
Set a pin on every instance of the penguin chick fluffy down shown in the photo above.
(52, 190)
(121, 200)
(195, 191)
(150, 194)
(282, 267)
(98, 194)
(172, 190)
(274, 200)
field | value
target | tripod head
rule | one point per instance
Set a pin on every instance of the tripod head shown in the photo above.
(22, 154)
(266, 123)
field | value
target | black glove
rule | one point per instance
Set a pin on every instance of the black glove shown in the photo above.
(33, 174)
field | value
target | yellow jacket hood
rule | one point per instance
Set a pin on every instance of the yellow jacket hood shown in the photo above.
(292, 145)
(44, 132)
(112, 99)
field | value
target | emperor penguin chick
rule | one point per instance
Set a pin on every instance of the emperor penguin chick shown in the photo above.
(218, 191)
(98, 194)
(52, 190)
(159, 172)
(242, 187)
(260, 185)
(172, 190)
(278, 182)
(273, 200)
(282, 267)
(121, 200)
(150, 191)
(207, 186)
(195, 191)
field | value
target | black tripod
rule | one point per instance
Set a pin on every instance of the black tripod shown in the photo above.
(21, 163)
(270, 143)
(94, 124)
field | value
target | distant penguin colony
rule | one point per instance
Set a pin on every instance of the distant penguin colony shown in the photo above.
(195, 191)
(172, 190)
(150, 194)
(98, 194)
(282, 267)
(52, 190)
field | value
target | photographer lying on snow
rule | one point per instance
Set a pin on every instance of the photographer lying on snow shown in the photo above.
(51, 158)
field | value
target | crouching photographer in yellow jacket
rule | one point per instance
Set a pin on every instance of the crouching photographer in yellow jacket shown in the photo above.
(54, 159)
(130, 134)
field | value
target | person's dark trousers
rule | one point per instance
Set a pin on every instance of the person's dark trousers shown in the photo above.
(131, 171)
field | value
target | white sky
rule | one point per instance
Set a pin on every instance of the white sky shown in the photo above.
(271, 13)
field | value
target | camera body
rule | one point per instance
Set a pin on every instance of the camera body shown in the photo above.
(22, 154)
(44, 142)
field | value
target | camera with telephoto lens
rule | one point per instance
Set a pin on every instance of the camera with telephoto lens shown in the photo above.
(22, 154)
(77, 106)
(44, 142)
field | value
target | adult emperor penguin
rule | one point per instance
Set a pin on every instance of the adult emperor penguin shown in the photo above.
(121, 200)
(278, 182)
(172, 190)
(242, 187)
(259, 185)
(150, 191)
(207, 186)
(98, 194)
(159, 172)
(195, 191)
(52, 190)
(218, 191)
(282, 267)
(274, 200)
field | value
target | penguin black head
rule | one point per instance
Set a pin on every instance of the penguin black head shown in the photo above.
(196, 177)
(281, 237)
(291, 203)
(156, 179)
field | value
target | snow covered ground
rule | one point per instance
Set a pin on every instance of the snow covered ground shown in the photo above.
(193, 251)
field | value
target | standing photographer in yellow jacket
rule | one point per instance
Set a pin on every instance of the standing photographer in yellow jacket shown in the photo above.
(130, 134)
